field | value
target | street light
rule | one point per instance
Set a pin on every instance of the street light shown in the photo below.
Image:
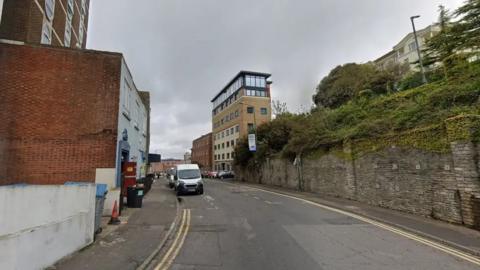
(424, 78)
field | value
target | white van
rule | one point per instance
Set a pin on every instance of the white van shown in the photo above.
(188, 178)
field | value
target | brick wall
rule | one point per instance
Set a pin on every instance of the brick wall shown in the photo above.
(22, 20)
(441, 184)
(15, 19)
(202, 151)
(60, 113)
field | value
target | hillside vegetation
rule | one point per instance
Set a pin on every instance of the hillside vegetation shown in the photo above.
(365, 117)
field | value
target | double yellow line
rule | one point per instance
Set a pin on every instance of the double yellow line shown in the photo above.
(454, 252)
(172, 252)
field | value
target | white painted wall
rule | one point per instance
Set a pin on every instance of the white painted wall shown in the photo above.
(132, 106)
(42, 224)
(112, 196)
(107, 176)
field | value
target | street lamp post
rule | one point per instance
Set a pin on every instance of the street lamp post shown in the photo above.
(424, 78)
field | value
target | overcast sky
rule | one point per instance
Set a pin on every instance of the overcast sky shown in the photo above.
(185, 51)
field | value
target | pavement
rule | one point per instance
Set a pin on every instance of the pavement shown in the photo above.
(135, 240)
(238, 226)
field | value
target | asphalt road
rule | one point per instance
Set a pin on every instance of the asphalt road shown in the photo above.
(237, 227)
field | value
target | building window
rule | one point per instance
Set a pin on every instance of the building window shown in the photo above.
(255, 81)
(237, 129)
(223, 156)
(46, 33)
(81, 31)
(70, 9)
(233, 154)
(251, 128)
(250, 109)
(263, 111)
(68, 24)
(68, 34)
(232, 143)
(228, 132)
(223, 145)
(223, 134)
(214, 147)
(83, 6)
(127, 97)
(412, 46)
(237, 113)
(49, 9)
(228, 155)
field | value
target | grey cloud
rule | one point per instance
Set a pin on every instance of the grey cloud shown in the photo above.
(184, 51)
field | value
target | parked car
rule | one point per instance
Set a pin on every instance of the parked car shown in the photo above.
(205, 174)
(187, 178)
(226, 174)
(212, 174)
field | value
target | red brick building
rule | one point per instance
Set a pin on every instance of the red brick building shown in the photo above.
(51, 22)
(202, 152)
(164, 165)
(61, 116)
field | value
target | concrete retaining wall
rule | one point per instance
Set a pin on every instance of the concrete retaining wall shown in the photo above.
(41, 224)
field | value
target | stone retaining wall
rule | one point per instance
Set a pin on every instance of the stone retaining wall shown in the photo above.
(429, 182)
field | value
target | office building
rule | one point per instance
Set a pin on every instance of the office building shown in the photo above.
(242, 105)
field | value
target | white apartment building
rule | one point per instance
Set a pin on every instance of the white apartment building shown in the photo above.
(405, 51)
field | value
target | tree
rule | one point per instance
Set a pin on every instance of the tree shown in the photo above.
(342, 84)
(386, 80)
(442, 46)
(279, 108)
(469, 24)
(349, 81)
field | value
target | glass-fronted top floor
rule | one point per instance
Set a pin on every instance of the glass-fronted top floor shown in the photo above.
(244, 79)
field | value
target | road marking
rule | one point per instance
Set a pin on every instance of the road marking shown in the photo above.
(208, 198)
(459, 254)
(177, 243)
